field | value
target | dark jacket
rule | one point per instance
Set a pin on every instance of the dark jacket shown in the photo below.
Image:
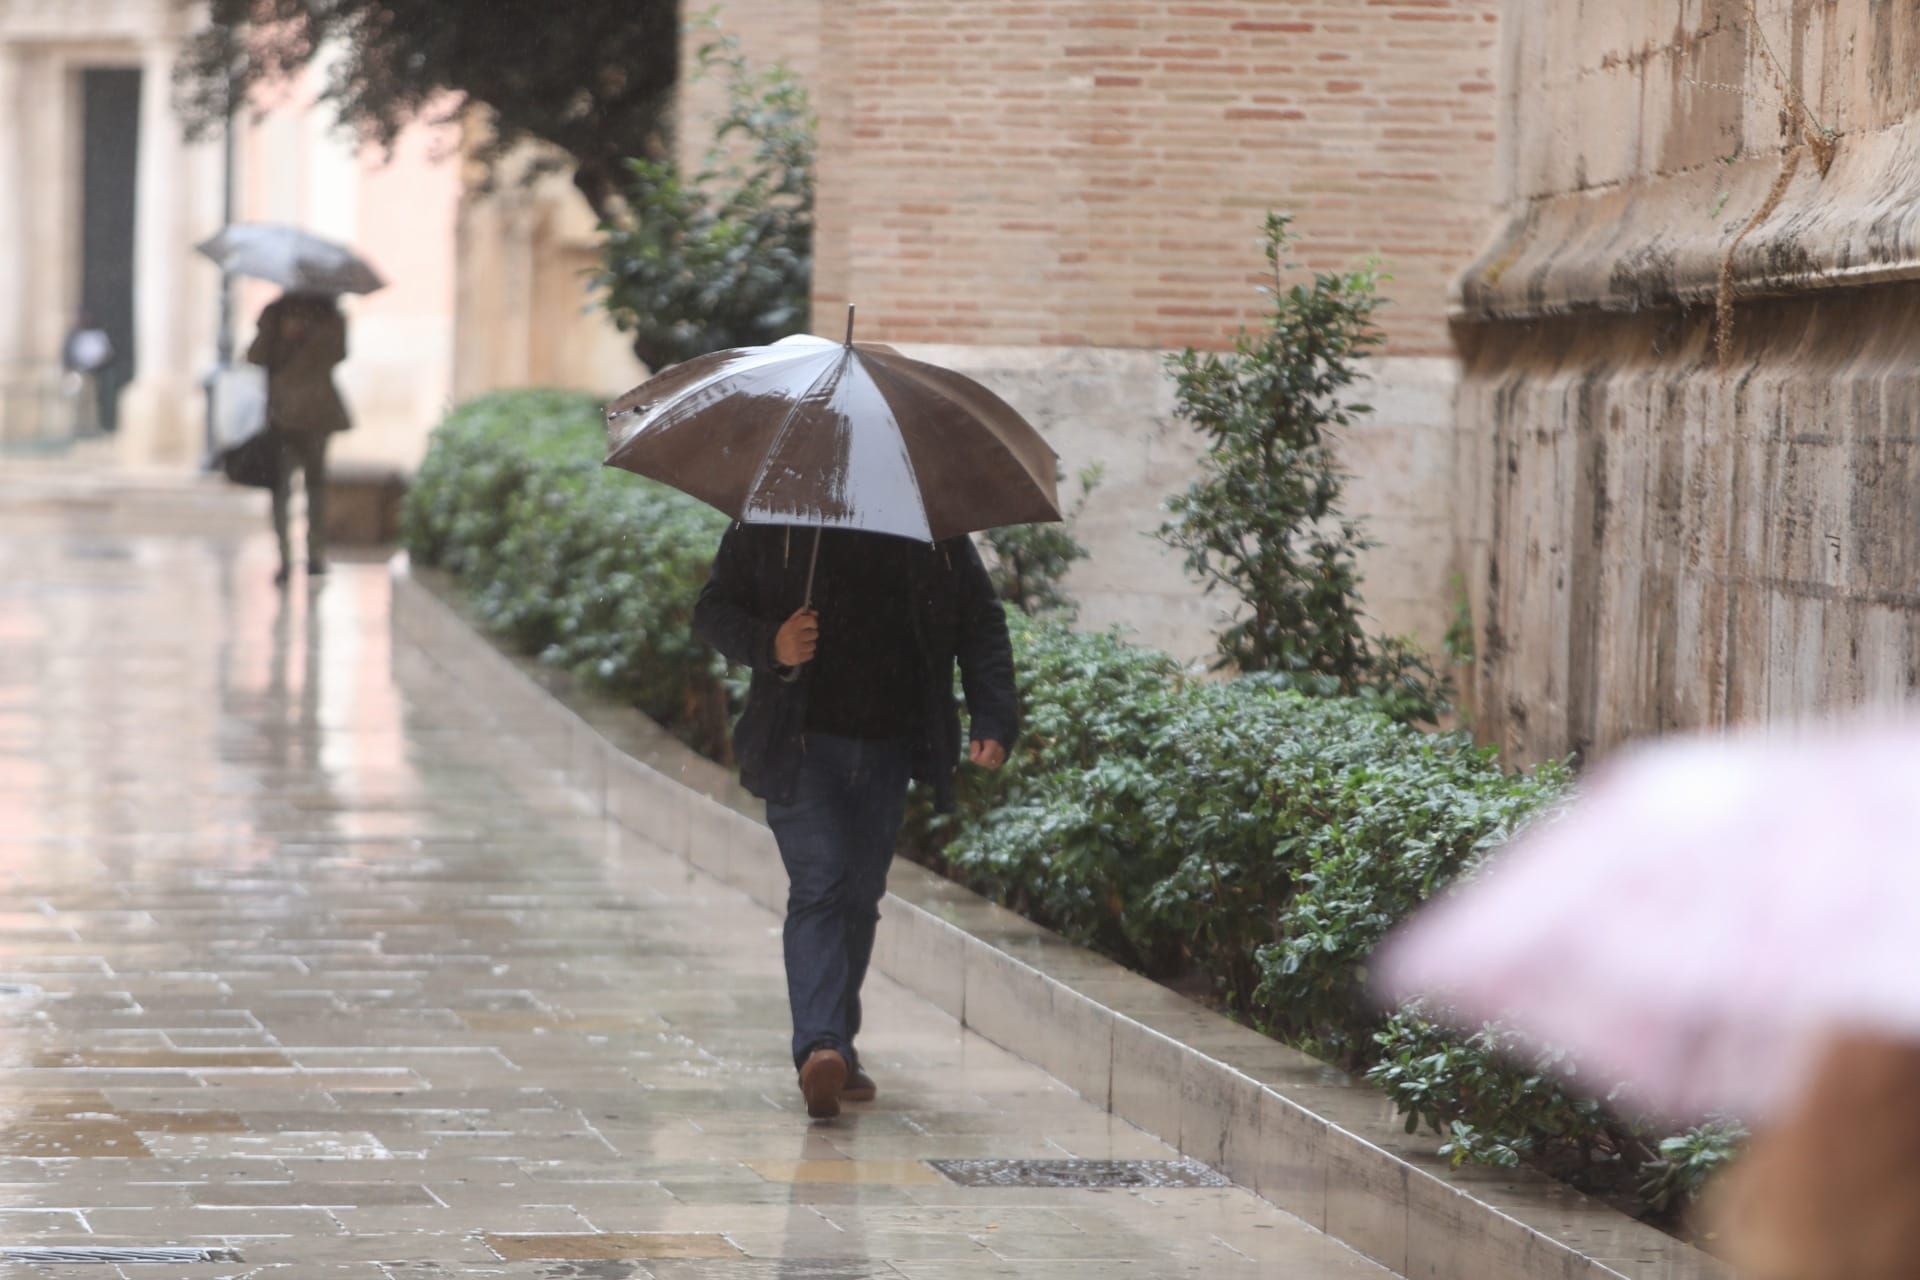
(759, 579)
(299, 343)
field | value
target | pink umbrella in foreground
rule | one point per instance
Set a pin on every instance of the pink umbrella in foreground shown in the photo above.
(1704, 916)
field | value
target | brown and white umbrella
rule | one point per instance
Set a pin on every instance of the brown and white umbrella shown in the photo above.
(836, 435)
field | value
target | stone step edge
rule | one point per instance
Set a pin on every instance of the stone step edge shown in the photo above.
(1295, 1131)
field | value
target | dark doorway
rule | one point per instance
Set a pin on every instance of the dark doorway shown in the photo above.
(110, 142)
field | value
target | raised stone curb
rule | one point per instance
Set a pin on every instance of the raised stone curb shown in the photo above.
(1295, 1131)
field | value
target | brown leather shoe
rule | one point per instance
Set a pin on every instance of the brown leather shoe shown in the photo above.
(859, 1087)
(821, 1078)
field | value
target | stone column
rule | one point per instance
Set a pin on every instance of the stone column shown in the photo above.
(13, 232)
(157, 419)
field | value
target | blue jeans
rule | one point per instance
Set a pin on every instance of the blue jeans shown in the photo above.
(836, 838)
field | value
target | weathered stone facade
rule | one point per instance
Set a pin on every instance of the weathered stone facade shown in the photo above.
(1663, 531)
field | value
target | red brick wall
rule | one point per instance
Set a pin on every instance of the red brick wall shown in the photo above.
(1068, 172)
(769, 31)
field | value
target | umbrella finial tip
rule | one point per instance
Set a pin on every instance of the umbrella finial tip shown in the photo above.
(849, 324)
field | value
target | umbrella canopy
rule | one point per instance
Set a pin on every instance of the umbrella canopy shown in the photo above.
(298, 261)
(1701, 920)
(839, 436)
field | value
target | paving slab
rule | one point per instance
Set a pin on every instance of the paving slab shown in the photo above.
(321, 964)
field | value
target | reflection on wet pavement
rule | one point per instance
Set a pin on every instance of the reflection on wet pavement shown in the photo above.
(303, 957)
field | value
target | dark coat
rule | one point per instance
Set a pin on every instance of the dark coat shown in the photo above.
(301, 397)
(759, 579)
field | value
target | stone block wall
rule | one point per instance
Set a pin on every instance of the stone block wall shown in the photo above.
(1115, 407)
(1665, 530)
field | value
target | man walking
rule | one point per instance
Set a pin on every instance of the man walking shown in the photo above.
(850, 698)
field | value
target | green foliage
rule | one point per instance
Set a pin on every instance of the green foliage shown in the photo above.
(1030, 561)
(723, 258)
(593, 571)
(1025, 835)
(1266, 837)
(1493, 1101)
(1688, 1161)
(1458, 642)
(595, 81)
(1264, 521)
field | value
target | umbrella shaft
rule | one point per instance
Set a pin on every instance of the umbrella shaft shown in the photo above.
(813, 562)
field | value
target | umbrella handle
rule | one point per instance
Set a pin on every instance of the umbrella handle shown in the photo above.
(812, 562)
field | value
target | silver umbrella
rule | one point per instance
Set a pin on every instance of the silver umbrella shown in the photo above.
(298, 261)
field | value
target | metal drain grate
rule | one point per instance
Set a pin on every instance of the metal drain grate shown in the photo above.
(125, 1256)
(1079, 1173)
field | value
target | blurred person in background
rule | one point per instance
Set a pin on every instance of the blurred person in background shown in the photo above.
(302, 336)
(86, 356)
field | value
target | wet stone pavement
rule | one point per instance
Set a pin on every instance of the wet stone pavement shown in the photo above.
(305, 963)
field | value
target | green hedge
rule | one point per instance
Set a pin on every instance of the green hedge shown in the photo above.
(593, 571)
(1264, 837)
(1231, 833)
